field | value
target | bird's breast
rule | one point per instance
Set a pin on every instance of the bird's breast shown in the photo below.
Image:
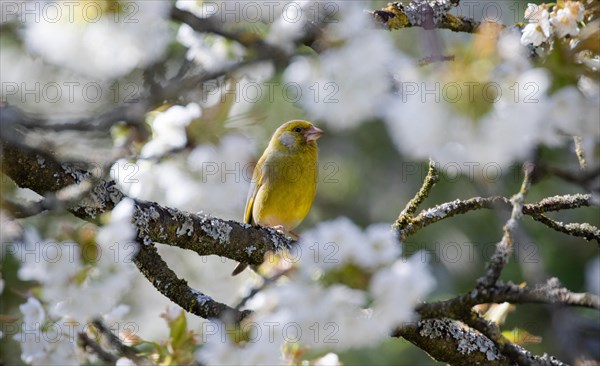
(287, 193)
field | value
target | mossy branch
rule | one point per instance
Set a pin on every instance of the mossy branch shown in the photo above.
(505, 247)
(406, 216)
(424, 14)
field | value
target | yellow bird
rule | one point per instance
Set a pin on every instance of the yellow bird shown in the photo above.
(284, 182)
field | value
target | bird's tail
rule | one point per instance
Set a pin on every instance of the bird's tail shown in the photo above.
(240, 267)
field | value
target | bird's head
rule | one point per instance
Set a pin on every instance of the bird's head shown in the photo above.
(297, 134)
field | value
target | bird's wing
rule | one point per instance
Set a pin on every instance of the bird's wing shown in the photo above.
(255, 184)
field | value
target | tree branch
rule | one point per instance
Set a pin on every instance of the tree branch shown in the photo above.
(505, 247)
(406, 216)
(458, 207)
(424, 14)
(549, 293)
(512, 351)
(86, 342)
(115, 342)
(587, 231)
(445, 341)
(177, 290)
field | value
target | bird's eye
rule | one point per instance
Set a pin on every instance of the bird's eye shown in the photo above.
(298, 129)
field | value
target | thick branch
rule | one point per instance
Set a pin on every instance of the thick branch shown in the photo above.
(425, 14)
(446, 341)
(166, 281)
(512, 351)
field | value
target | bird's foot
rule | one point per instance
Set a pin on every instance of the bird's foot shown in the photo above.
(279, 228)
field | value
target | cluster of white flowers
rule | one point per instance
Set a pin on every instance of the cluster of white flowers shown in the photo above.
(306, 312)
(346, 85)
(211, 178)
(94, 40)
(42, 89)
(428, 114)
(562, 20)
(169, 130)
(538, 30)
(339, 242)
(425, 120)
(78, 285)
(211, 51)
(287, 22)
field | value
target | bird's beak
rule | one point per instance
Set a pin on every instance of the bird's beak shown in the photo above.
(313, 134)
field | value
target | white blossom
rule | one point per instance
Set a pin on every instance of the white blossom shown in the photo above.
(337, 316)
(538, 30)
(571, 113)
(99, 42)
(73, 292)
(116, 315)
(119, 229)
(335, 243)
(124, 361)
(216, 176)
(41, 88)
(423, 128)
(213, 52)
(40, 346)
(169, 130)
(33, 312)
(291, 24)
(338, 86)
(330, 359)
(398, 288)
(564, 20)
(219, 349)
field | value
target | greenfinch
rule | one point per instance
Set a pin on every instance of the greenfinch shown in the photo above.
(284, 182)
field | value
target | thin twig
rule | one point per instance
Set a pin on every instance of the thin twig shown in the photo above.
(550, 292)
(411, 207)
(115, 342)
(450, 342)
(587, 231)
(505, 247)
(266, 282)
(87, 343)
(434, 59)
(459, 207)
